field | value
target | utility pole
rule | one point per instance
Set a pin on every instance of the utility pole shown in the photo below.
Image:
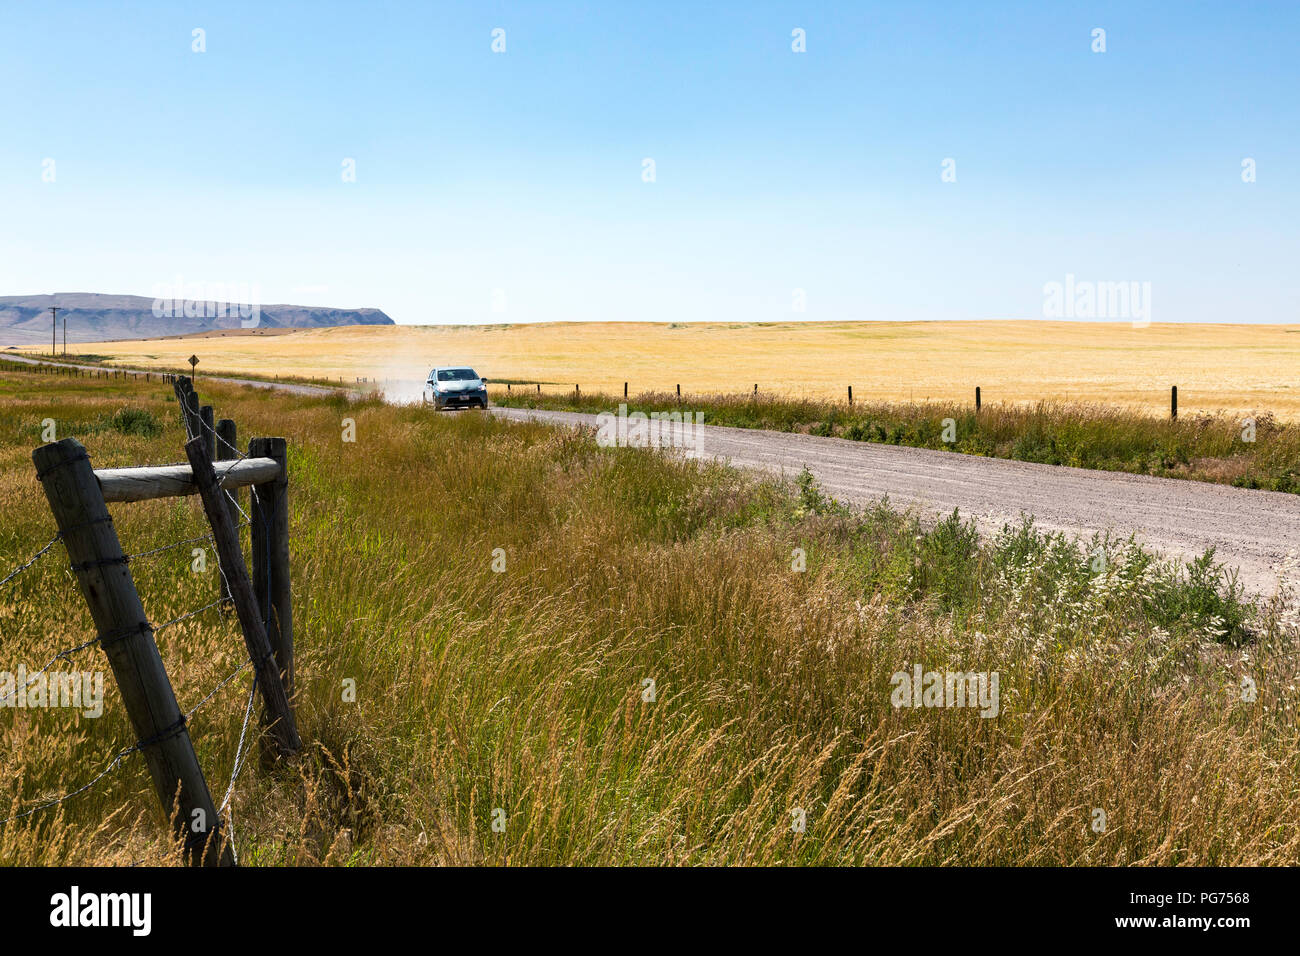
(65, 335)
(54, 329)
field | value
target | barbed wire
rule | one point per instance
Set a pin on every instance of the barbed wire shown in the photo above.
(241, 753)
(168, 547)
(68, 652)
(134, 556)
(239, 747)
(53, 660)
(113, 765)
(139, 745)
(240, 756)
(32, 560)
(185, 617)
(220, 684)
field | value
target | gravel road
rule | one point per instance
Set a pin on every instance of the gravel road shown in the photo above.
(1256, 532)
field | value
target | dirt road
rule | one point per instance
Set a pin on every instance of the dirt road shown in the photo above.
(1256, 532)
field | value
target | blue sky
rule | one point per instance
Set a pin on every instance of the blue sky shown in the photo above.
(775, 171)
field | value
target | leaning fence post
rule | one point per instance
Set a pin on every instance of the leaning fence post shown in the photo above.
(228, 448)
(270, 536)
(126, 637)
(284, 730)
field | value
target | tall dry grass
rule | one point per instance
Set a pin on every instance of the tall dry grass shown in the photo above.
(523, 691)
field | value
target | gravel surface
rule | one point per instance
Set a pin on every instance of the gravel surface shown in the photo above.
(1255, 532)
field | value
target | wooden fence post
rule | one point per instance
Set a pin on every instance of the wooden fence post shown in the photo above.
(1173, 402)
(270, 536)
(208, 431)
(126, 638)
(179, 391)
(284, 731)
(625, 389)
(850, 394)
(227, 449)
(190, 407)
(977, 398)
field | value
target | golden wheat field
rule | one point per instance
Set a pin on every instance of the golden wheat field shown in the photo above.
(1216, 367)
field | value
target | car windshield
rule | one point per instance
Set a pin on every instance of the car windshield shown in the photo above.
(456, 375)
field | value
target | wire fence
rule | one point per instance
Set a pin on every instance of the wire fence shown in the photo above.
(154, 628)
(241, 749)
(141, 744)
(32, 560)
(197, 424)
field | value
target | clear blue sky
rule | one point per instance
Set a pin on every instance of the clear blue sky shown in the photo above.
(522, 171)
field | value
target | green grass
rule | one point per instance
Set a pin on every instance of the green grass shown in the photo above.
(1202, 447)
(523, 695)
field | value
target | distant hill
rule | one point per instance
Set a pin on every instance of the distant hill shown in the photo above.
(93, 317)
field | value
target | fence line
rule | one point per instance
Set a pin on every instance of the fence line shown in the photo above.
(576, 392)
(78, 496)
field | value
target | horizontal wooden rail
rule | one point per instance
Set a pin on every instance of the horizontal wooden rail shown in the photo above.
(174, 481)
